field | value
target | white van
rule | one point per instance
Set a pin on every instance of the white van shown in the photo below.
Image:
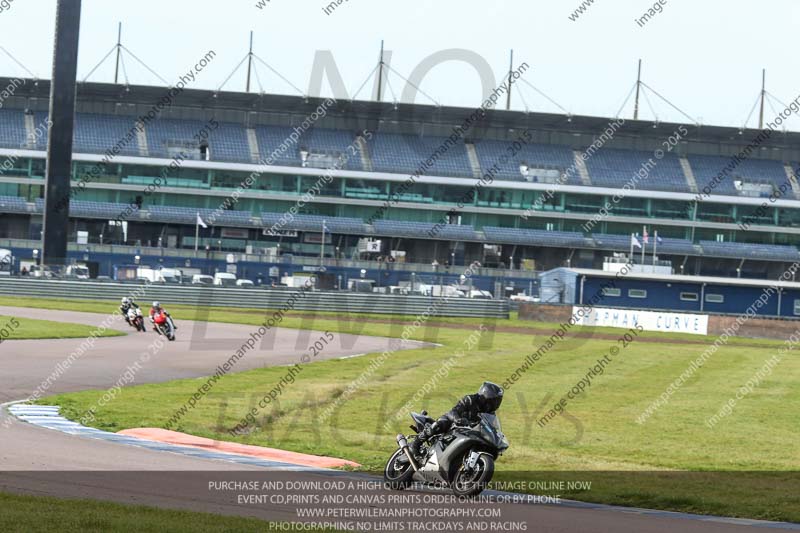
(148, 274)
(225, 279)
(170, 275)
(202, 279)
(6, 261)
(77, 271)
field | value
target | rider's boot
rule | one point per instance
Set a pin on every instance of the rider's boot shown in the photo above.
(423, 436)
(416, 445)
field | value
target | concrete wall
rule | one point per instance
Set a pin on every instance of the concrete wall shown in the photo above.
(544, 312)
(754, 328)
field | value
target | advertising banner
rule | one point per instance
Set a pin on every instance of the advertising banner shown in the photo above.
(649, 320)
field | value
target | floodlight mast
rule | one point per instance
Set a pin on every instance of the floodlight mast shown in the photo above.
(763, 97)
(380, 74)
(119, 53)
(59, 146)
(510, 73)
(249, 62)
(638, 88)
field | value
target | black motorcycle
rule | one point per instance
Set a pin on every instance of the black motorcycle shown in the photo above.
(462, 458)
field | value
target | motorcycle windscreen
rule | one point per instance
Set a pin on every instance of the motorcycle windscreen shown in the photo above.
(492, 421)
(493, 431)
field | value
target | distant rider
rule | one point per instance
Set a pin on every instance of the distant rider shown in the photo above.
(127, 304)
(158, 314)
(466, 412)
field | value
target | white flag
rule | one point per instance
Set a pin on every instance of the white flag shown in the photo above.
(635, 242)
(200, 221)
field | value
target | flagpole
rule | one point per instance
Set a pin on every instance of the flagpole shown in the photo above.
(196, 231)
(644, 245)
(322, 248)
(630, 257)
(655, 248)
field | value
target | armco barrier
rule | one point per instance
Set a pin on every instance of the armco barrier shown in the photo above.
(257, 298)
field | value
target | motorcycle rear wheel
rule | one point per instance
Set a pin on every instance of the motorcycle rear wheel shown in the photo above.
(397, 477)
(468, 484)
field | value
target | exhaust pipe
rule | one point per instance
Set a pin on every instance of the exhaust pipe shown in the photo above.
(403, 443)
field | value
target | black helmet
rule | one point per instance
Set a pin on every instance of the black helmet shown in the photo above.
(491, 396)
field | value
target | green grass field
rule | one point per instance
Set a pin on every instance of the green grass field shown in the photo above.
(16, 329)
(37, 514)
(599, 439)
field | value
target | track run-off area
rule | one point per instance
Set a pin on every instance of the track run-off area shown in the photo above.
(40, 461)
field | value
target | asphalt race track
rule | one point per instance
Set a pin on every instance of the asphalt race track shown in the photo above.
(39, 461)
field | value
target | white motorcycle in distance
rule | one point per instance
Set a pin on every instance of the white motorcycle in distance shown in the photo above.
(136, 319)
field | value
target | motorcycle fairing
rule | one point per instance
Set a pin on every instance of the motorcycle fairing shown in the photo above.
(430, 471)
(421, 420)
(451, 457)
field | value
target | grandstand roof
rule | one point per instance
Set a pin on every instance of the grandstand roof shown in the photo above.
(228, 105)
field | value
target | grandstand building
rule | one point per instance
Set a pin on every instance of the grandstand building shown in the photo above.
(267, 172)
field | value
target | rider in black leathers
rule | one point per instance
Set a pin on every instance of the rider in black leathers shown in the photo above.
(126, 304)
(465, 412)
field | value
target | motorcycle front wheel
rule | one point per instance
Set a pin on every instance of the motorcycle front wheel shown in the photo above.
(471, 483)
(397, 474)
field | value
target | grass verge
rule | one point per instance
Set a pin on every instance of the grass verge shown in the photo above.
(753, 455)
(16, 329)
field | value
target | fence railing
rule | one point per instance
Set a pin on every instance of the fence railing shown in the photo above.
(150, 252)
(257, 298)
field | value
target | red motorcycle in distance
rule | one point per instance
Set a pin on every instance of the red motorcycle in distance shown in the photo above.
(164, 325)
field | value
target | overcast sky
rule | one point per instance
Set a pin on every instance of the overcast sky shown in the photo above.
(706, 57)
